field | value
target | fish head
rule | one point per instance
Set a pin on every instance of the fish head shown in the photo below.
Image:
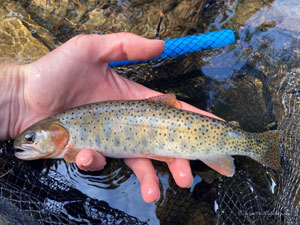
(45, 139)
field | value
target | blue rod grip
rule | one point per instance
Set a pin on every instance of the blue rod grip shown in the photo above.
(184, 45)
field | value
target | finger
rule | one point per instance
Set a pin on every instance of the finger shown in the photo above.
(88, 159)
(181, 171)
(119, 46)
(145, 173)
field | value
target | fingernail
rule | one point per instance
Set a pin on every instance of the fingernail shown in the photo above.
(85, 161)
(184, 176)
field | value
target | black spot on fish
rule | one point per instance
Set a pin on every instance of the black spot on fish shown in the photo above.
(258, 142)
(98, 141)
(117, 141)
(144, 142)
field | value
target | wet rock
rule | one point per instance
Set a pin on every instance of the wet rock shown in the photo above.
(17, 43)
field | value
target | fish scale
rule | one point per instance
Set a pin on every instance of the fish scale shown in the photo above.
(143, 128)
(148, 128)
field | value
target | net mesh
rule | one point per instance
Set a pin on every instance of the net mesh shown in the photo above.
(31, 197)
(244, 200)
(287, 204)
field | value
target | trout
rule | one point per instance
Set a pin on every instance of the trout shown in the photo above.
(156, 128)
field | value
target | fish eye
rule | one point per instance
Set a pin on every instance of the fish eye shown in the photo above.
(29, 137)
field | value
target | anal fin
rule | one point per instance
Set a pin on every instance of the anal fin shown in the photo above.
(160, 158)
(168, 99)
(222, 164)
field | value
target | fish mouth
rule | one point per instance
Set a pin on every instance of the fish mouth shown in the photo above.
(28, 153)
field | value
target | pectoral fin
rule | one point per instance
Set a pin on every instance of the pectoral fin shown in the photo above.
(71, 154)
(222, 164)
(168, 99)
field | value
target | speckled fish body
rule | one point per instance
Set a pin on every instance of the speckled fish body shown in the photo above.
(137, 128)
(142, 128)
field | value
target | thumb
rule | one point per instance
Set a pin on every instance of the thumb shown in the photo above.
(118, 46)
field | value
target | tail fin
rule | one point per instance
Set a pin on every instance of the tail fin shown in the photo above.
(270, 155)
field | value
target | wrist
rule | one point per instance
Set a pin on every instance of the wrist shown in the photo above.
(11, 99)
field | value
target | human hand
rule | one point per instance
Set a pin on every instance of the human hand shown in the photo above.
(77, 73)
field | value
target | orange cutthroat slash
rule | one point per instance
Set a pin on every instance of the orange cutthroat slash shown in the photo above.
(156, 128)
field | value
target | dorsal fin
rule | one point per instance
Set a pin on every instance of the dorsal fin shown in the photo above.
(222, 164)
(168, 99)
